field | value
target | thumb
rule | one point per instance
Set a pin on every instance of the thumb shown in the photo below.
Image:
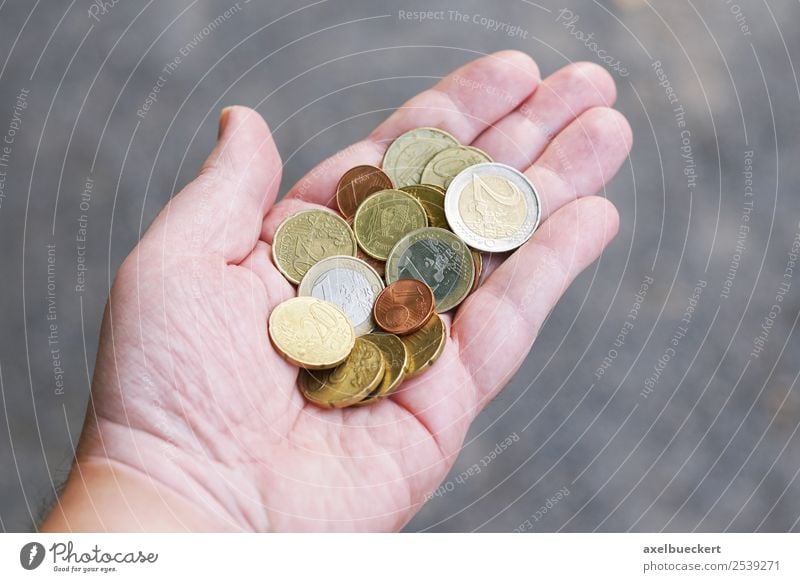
(222, 210)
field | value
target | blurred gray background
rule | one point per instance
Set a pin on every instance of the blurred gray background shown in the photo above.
(712, 447)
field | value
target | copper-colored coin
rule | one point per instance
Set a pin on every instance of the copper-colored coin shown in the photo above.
(404, 306)
(357, 184)
(379, 266)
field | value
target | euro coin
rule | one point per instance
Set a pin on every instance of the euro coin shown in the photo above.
(432, 200)
(425, 346)
(357, 184)
(311, 333)
(477, 258)
(348, 383)
(347, 282)
(404, 306)
(384, 218)
(378, 265)
(438, 258)
(447, 164)
(307, 237)
(396, 357)
(406, 157)
(492, 207)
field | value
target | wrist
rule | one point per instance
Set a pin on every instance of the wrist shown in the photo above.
(101, 495)
(125, 479)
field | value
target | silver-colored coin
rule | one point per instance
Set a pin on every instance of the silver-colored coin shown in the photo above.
(438, 258)
(492, 207)
(347, 282)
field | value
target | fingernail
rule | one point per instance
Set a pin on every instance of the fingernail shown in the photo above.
(223, 120)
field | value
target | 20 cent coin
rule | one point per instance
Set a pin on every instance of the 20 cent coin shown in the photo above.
(307, 237)
(311, 333)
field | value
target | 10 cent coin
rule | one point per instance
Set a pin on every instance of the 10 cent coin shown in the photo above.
(447, 164)
(384, 218)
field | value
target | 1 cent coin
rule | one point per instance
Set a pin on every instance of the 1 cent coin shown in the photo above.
(404, 306)
(357, 184)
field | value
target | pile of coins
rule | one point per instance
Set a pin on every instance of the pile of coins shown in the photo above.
(407, 247)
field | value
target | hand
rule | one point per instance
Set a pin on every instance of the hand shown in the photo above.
(197, 423)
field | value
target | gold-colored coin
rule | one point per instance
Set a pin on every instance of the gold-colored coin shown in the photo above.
(384, 218)
(477, 258)
(307, 237)
(425, 346)
(396, 357)
(432, 200)
(447, 164)
(311, 333)
(406, 157)
(348, 383)
(437, 257)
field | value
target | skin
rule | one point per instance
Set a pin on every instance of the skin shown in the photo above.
(196, 422)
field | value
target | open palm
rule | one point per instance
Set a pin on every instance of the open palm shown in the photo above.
(188, 389)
